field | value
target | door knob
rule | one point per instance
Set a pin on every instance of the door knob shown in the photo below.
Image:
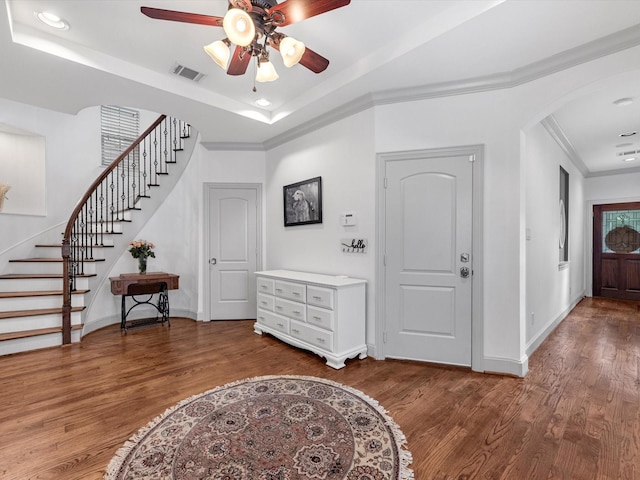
(213, 261)
(464, 272)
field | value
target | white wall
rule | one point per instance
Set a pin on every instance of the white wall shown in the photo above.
(343, 155)
(552, 289)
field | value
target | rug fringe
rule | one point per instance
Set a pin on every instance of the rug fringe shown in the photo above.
(406, 459)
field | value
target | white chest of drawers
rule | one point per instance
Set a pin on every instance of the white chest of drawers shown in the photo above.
(321, 313)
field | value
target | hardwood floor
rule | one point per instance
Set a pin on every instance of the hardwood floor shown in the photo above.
(576, 416)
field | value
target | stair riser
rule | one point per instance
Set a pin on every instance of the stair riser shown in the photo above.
(21, 324)
(38, 284)
(55, 252)
(37, 302)
(35, 343)
(32, 268)
(105, 228)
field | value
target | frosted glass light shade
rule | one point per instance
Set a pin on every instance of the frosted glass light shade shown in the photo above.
(219, 53)
(291, 51)
(266, 72)
(239, 27)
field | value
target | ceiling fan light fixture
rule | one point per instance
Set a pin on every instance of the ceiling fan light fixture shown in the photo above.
(266, 72)
(291, 51)
(239, 28)
(219, 52)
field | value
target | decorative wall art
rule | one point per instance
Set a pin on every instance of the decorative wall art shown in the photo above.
(303, 202)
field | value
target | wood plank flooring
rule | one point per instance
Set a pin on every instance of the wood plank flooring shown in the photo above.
(576, 416)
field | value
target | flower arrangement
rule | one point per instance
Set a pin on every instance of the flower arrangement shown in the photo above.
(141, 249)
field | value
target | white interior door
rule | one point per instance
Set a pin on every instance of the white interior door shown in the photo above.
(428, 245)
(233, 251)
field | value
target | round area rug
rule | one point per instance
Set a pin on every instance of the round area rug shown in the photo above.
(268, 428)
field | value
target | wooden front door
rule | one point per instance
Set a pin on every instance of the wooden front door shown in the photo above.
(616, 251)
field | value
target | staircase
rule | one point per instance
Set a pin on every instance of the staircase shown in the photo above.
(43, 298)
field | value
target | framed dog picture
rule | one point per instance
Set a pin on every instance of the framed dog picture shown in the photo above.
(303, 202)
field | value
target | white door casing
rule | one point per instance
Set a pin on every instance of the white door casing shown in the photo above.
(233, 249)
(428, 213)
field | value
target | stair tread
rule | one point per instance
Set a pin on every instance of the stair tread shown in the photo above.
(14, 276)
(53, 245)
(50, 260)
(34, 333)
(39, 293)
(36, 312)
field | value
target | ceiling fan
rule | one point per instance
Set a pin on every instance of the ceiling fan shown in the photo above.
(251, 26)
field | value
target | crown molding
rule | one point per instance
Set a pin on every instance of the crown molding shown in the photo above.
(358, 105)
(234, 146)
(619, 171)
(555, 130)
(593, 50)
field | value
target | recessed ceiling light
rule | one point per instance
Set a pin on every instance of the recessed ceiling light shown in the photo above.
(627, 134)
(52, 20)
(630, 159)
(263, 102)
(623, 102)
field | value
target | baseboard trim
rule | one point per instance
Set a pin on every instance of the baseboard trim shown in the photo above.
(533, 345)
(507, 366)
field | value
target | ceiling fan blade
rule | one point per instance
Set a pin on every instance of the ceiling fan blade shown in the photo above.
(239, 62)
(292, 11)
(314, 61)
(161, 14)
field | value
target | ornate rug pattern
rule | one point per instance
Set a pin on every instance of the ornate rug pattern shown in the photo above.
(268, 428)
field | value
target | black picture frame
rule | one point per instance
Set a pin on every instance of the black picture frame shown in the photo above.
(302, 202)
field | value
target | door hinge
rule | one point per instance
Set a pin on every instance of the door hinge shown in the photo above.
(385, 182)
(384, 337)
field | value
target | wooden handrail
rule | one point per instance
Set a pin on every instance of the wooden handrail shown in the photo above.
(79, 235)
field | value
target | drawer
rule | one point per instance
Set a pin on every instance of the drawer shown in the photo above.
(265, 285)
(321, 297)
(271, 320)
(320, 317)
(266, 302)
(312, 335)
(290, 309)
(290, 290)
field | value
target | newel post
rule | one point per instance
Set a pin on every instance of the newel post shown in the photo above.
(66, 292)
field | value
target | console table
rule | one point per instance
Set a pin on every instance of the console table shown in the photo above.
(138, 284)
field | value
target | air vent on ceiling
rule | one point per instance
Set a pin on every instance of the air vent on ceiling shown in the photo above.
(188, 73)
(628, 152)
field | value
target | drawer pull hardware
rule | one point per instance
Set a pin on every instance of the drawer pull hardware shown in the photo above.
(295, 330)
(278, 307)
(297, 294)
(278, 289)
(281, 325)
(315, 297)
(264, 287)
(261, 318)
(317, 318)
(322, 340)
(263, 303)
(295, 312)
